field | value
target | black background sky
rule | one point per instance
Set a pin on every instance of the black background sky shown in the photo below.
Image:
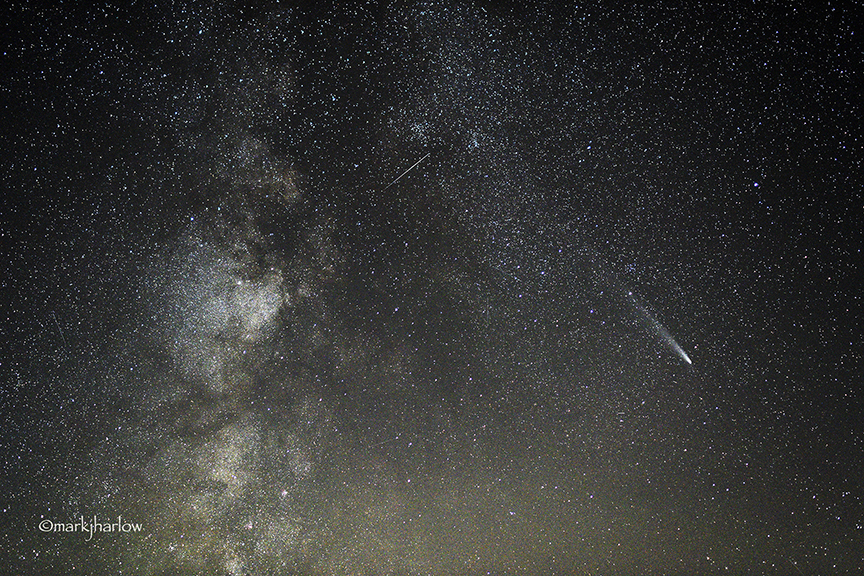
(226, 317)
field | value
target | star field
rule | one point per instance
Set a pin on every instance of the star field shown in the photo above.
(432, 288)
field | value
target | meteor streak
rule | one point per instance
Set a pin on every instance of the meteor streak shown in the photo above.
(406, 171)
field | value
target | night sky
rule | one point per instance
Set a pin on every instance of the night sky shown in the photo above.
(432, 288)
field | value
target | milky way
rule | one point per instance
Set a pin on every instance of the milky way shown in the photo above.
(335, 290)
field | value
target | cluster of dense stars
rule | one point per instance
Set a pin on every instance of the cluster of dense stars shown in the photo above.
(431, 288)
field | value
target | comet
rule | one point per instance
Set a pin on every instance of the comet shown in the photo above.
(678, 350)
(660, 330)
